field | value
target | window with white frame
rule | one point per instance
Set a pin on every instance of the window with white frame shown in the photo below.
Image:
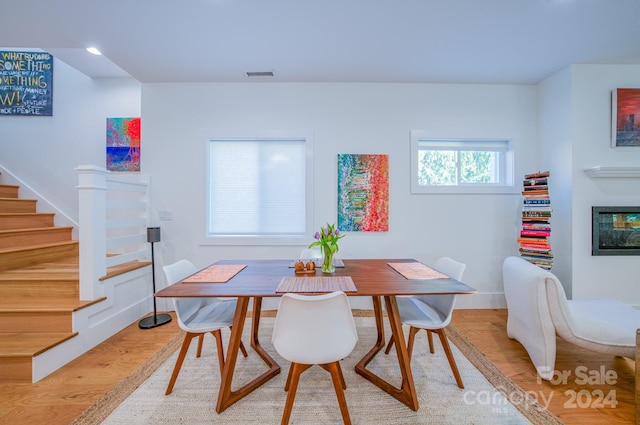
(259, 190)
(441, 165)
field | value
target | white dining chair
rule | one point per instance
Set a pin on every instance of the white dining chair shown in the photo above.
(198, 316)
(310, 254)
(432, 313)
(314, 330)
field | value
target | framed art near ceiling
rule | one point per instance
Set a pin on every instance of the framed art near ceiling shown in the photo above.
(625, 117)
(26, 83)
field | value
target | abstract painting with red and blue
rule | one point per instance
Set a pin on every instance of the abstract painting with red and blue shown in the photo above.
(123, 144)
(363, 193)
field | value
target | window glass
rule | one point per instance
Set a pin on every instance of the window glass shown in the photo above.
(258, 189)
(460, 165)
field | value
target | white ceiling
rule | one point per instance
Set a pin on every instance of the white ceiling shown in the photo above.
(459, 41)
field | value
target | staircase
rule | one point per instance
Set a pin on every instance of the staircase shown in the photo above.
(39, 285)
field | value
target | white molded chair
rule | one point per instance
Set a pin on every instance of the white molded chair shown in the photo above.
(310, 254)
(538, 309)
(314, 329)
(432, 313)
(198, 316)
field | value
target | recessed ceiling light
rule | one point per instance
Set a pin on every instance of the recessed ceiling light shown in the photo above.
(260, 74)
(94, 51)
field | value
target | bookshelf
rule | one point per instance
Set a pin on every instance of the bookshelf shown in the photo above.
(536, 220)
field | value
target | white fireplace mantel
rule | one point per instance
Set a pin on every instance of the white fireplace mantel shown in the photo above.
(613, 172)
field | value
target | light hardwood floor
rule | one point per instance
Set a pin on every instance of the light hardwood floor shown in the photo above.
(62, 396)
(65, 394)
(588, 388)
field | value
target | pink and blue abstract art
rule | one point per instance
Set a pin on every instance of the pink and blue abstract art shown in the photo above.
(123, 144)
(363, 193)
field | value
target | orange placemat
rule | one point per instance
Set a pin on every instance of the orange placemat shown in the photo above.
(217, 273)
(316, 284)
(417, 270)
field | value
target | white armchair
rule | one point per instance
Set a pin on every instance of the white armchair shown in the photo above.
(538, 309)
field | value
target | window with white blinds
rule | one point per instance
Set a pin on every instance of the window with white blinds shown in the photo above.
(259, 190)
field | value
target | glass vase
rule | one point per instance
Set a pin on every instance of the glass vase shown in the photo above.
(327, 261)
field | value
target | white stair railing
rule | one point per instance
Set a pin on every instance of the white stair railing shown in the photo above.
(113, 216)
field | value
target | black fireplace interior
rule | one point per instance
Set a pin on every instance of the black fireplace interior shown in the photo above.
(616, 231)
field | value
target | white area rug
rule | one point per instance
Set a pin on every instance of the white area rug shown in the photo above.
(441, 401)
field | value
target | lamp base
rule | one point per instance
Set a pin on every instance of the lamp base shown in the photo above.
(154, 321)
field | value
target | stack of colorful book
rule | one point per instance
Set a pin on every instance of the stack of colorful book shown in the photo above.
(536, 225)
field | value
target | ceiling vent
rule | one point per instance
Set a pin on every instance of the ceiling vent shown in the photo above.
(260, 74)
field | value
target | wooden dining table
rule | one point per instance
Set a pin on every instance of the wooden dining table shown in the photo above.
(257, 279)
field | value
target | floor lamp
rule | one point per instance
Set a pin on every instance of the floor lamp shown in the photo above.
(153, 235)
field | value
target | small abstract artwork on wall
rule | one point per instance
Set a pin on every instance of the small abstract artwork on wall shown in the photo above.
(363, 193)
(625, 108)
(123, 144)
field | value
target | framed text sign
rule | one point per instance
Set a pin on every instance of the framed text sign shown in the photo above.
(26, 83)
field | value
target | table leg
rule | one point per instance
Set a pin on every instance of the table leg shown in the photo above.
(377, 313)
(407, 392)
(226, 397)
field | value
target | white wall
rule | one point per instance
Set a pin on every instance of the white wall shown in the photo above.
(479, 230)
(43, 151)
(555, 155)
(600, 276)
(573, 133)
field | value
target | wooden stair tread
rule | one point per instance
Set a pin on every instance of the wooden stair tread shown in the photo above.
(26, 237)
(29, 276)
(8, 215)
(19, 220)
(124, 268)
(18, 199)
(36, 229)
(64, 269)
(38, 246)
(9, 304)
(23, 214)
(61, 265)
(9, 191)
(31, 344)
(16, 205)
(20, 275)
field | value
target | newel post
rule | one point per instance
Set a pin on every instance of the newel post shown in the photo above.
(92, 201)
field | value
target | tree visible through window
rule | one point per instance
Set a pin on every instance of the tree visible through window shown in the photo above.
(456, 163)
(453, 167)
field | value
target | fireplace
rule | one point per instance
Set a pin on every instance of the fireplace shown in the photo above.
(616, 231)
